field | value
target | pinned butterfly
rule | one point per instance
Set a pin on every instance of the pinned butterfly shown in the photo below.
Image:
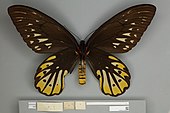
(117, 35)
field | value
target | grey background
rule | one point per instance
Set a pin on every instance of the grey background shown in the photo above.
(148, 62)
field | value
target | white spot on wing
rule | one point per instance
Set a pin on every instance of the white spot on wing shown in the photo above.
(42, 40)
(36, 47)
(121, 39)
(127, 46)
(132, 41)
(36, 34)
(28, 36)
(133, 23)
(107, 67)
(124, 48)
(116, 44)
(62, 41)
(130, 29)
(32, 29)
(29, 24)
(37, 20)
(49, 47)
(57, 67)
(34, 13)
(126, 34)
(31, 42)
(143, 19)
(19, 20)
(48, 44)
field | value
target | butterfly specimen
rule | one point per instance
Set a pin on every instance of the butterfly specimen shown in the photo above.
(117, 35)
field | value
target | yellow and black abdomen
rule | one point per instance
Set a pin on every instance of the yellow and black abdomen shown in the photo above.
(82, 72)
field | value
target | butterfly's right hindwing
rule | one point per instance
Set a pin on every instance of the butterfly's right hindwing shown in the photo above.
(49, 78)
(113, 75)
(41, 33)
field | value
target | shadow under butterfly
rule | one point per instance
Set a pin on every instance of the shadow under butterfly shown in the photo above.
(117, 35)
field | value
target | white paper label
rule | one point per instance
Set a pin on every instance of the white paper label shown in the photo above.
(118, 108)
(31, 105)
(106, 103)
(50, 107)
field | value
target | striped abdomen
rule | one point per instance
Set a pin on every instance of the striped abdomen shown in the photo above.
(82, 72)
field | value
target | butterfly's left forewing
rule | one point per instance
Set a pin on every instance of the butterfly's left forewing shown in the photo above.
(49, 78)
(113, 75)
(41, 33)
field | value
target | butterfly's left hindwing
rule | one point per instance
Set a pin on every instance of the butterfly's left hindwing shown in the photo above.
(49, 78)
(113, 75)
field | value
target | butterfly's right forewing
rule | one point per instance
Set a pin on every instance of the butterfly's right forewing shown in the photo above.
(124, 30)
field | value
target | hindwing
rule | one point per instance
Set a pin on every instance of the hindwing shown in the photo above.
(49, 78)
(113, 75)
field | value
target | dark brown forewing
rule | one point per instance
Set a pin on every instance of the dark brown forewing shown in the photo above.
(49, 78)
(122, 32)
(113, 75)
(41, 33)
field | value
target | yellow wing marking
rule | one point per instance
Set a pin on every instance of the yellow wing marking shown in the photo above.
(100, 78)
(49, 87)
(52, 88)
(109, 89)
(105, 85)
(58, 84)
(41, 84)
(114, 87)
(41, 74)
(112, 58)
(65, 73)
(51, 58)
(121, 73)
(45, 65)
(122, 83)
(119, 65)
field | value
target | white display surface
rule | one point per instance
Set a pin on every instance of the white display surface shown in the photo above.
(148, 62)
